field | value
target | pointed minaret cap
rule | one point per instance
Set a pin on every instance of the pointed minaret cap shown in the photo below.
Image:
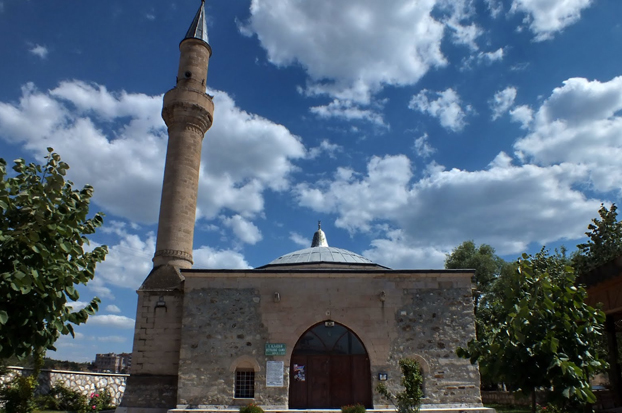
(319, 238)
(198, 28)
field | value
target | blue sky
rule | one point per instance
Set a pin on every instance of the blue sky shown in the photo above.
(405, 126)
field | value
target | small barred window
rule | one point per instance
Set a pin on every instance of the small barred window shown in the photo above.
(244, 384)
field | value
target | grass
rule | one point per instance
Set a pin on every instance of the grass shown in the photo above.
(510, 409)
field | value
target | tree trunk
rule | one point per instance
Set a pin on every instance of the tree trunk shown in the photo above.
(533, 400)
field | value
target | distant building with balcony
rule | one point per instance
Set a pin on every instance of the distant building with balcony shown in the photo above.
(113, 363)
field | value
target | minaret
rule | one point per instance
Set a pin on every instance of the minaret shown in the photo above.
(187, 111)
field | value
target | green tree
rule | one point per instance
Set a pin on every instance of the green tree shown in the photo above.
(540, 334)
(604, 241)
(487, 265)
(43, 227)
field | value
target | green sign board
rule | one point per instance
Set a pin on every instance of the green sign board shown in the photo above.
(275, 349)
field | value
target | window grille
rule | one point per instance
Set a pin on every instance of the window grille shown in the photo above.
(244, 384)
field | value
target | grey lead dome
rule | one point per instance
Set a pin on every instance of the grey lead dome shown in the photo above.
(321, 253)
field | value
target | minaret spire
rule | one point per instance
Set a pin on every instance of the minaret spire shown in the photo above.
(198, 28)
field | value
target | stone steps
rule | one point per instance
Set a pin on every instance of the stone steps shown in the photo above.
(424, 409)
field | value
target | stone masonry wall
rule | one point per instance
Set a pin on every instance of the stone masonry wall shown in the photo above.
(85, 383)
(432, 324)
(230, 316)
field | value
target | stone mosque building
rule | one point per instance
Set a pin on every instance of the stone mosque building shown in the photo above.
(317, 328)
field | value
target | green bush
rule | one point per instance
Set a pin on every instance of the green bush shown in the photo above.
(356, 408)
(18, 394)
(409, 400)
(251, 408)
(63, 398)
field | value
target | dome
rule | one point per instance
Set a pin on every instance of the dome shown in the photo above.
(321, 255)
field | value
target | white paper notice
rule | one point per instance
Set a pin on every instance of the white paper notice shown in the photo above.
(274, 373)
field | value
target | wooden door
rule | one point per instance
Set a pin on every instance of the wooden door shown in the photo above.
(318, 386)
(329, 368)
(340, 381)
(298, 382)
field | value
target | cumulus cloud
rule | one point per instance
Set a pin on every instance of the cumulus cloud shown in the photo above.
(76, 305)
(113, 309)
(348, 110)
(445, 207)
(580, 123)
(209, 258)
(522, 114)
(243, 229)
(364, 45)
(40, 51)
(502, 101)
(111, 320)
(447, 108)
(325, 147)
(299, 239)
(129, 259)
(547, 17)
(422, 146)
(116, 141)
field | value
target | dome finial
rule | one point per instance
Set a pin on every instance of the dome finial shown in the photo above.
(319, 238)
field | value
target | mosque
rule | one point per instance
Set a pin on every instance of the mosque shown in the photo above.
(318, 328)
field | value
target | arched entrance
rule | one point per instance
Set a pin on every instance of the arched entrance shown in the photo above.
(329, 369)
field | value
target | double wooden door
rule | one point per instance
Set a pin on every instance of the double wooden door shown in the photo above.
(329, 380)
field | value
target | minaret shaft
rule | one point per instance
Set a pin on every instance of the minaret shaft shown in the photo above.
(188, 113)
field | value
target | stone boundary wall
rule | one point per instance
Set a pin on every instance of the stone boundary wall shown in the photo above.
(508, 398)
(84, 382)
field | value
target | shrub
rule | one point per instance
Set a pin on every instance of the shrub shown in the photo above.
(251, 408)
(18, 394)
(63, 398)
(357, 408)
(409, 400)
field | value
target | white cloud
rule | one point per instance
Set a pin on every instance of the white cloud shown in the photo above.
(243, 229)
(422, 147)
(40, 51)
(485, 58)
(76, 305)
(502, 101)
(111, 308)
(299, 239)
(128, 261)
(348, 110)
(116, 141)
(112, 339)
(325, 147)
(580, 123)
(206, 257)
(396, 251)
(363, 45)
(447, 108)
(547, 17)
(445, 207)
(110, 320)
(522, 114)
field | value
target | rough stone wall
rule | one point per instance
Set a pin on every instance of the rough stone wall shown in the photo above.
(433, 322)
(220, 326)
(396, 314)
(85, 383)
